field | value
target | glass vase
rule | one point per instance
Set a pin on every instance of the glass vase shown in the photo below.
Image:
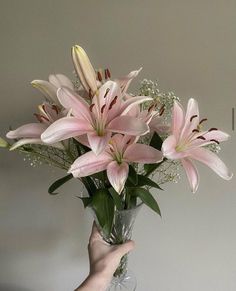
(123, 223)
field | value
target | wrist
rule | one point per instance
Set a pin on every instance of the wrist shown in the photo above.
(94, 282)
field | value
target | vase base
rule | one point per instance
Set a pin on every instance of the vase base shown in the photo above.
(126, 282)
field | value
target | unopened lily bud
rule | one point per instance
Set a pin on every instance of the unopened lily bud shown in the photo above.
(84, 69)
(3, 143)
(47, 89)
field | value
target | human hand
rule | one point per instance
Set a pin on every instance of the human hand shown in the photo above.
(104, 260)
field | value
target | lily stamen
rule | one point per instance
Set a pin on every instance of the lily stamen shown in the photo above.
(103, 107)
(196, 130)
(99, 76)
(213, 128)
(162, 109)
(90, 93)
(201, 137)
(91, 107)
(55, 108)
(204, 119)
(216, 141)
(113, 102)
(194, 116)
(108, 73)
(151, 108)
(107, 91)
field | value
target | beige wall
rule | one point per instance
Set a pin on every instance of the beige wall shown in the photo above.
(190, 46)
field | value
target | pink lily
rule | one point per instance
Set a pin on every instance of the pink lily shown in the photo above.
(106, 114)
(49, 89)
(125, 81)
(151, 116)
(187, 143)
(120, 151)
(92, 81)
(31, 133)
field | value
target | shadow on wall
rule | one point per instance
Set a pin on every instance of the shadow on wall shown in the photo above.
(12, 288)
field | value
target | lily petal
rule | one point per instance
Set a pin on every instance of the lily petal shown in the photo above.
(217, 135)
(125, 81)
(24, 141)
(128, 104)
(192, 173)
(89, 164)
(70, 100)
(31, 130)
(210, 137)
(141, 153)
(128, 125)
(47, 89)
(191, 118)
(169, 149)
(108, 92)
(156, 124)
(177, 118)
(59, 80)
(117, 175)
(83, 139)
(98, 143)
(210, 159)
(65, 128)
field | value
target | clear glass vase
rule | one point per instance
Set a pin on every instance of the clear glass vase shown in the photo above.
(123, 278)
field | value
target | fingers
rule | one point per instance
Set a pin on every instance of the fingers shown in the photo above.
(125, 248)
(95, 235)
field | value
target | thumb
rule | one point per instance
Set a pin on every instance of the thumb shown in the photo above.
(124, 248)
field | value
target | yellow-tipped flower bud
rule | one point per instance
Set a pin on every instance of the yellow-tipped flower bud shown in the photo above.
(84, 69)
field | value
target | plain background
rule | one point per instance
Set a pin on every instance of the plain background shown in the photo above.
(190, 46)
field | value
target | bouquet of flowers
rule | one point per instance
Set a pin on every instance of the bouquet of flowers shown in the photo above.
(115, 142)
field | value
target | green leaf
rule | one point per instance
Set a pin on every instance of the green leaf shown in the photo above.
(103, 205)
(117, 198)
(81, 149)
(147, 198)
(156, 141)
(89, 185)
(132, 177)
(132, 201)
(145, 181)
(86, 200)
(58, 183)
(99, 176)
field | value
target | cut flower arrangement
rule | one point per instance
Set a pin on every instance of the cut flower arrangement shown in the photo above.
(119, 145)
